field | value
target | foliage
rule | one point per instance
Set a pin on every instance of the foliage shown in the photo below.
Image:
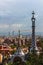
(34, 59)
(13, 46)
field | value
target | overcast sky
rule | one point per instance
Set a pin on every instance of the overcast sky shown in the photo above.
(16, 14)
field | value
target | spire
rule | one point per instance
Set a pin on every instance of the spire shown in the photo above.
(19, 33)
(33, 13)
(19, 41)
(12, 33)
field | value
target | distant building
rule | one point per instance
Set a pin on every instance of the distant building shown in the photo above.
(5, 49)
(1, 58)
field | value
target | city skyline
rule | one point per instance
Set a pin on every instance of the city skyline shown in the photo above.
(16, 14)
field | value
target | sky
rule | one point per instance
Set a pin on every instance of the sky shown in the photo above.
(16, 14)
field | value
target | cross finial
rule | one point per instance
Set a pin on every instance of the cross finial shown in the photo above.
(33, 12)
(33, 18)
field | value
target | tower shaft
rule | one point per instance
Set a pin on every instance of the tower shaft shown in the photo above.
(33, 33)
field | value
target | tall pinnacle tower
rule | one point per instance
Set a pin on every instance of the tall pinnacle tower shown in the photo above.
(33, 46)
(33, 30)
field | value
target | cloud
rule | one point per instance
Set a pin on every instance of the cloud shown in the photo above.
(14, 27)
(17, 25)
(19, 11)
(6, 7)
(3, 26)
(11, 26)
